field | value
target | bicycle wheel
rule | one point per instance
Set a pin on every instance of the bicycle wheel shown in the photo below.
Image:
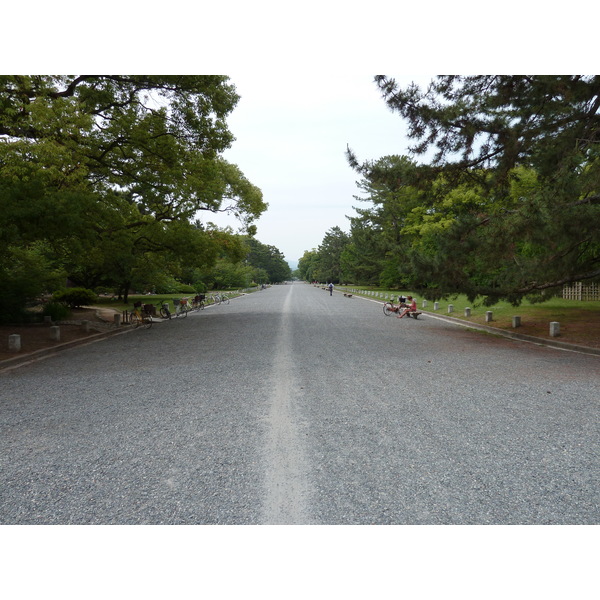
(388, 309)
(147, 321)
(135, 320)
(225, 300)
(164, 313)
(201, 304)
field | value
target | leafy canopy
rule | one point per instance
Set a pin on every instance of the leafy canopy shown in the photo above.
(507, 201)
(112, 171)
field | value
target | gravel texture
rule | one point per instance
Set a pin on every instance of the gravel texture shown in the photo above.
(291, 406)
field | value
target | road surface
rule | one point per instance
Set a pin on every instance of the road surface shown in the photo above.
(291, 406)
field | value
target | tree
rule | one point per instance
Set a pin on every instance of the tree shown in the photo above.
(308, 266)
(269, 259)
(111, 170)
(511, 199)
(330, 255)
(379, 239)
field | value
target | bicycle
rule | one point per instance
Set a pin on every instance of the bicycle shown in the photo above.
(198, 302)
(181, 307)
(164, 311)
(221, 299)
(390, 308)
(140, 317)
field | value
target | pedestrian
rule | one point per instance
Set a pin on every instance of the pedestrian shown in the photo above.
(330, 289)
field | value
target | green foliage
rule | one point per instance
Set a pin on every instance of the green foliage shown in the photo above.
(308, 266)
(26, 273)
(168, 285)
(267, 260)
(111, 174)
(56, 310)
(510, 205)
(330, 252)
(75, 297)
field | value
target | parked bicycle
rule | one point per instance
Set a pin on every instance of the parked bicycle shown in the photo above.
(198, 302)
(164, 310)
(140, 317)
(181, 307)
(221, 298)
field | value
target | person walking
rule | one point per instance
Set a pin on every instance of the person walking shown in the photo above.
(330, 286)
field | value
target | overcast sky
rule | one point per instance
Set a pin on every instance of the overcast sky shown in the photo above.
(291, 137)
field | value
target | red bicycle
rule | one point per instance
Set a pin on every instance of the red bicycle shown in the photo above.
(389, 308)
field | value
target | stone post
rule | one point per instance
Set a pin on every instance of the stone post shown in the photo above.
(467, 312)
(450, 308)
(488, 316)
(55, 333)
(424, 303)
(14, 342)
(436, 305)
(554, 329)
(86, 326)
(516, 321)
(117, 320)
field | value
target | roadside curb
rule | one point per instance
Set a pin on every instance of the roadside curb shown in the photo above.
(508, 334)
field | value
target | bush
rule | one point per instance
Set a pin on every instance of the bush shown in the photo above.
(172, 286)
(56, 310)
(75, 297)
(183, 288)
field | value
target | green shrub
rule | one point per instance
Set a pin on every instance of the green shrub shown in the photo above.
(75, 297)
(56, 310)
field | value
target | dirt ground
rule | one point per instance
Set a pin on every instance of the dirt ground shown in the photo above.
(578, 328)
(37, 337)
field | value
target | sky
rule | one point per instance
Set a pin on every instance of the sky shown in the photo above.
(291, 137)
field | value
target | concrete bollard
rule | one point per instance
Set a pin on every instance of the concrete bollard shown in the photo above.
(86, 326)
(516, 321)
(14, 342)
(436, 305)
(117, 320)
(450, 308)
(424, 303)
(488, 316)
(55, 333)
(554, 329)
(467, 312)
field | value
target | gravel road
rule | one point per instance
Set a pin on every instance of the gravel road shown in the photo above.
(291, 406)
